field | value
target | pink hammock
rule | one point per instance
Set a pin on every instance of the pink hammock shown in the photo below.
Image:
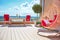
(51, 21)
(50, 32)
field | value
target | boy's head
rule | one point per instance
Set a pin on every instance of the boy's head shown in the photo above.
(46, 17)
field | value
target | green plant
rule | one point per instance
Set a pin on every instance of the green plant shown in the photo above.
(38, 22)
(37, 8)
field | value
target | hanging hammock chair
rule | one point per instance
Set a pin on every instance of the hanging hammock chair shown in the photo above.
(48, 32)
(43, 23)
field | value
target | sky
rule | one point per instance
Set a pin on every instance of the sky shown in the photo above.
(20, 7)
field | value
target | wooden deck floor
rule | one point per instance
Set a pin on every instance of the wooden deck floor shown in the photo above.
(20, 33)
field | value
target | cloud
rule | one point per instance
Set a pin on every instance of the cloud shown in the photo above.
(23, 9)
(28, 9)
(24, 4)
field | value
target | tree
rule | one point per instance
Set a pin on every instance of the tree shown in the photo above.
(37, 8)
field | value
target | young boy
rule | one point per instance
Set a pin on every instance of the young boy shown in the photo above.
(46, 20)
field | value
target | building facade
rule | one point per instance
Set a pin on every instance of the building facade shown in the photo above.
(51, 7)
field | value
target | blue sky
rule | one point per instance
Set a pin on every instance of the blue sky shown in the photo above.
(21, 7)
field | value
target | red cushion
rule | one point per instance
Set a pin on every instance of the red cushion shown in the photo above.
(43, 23)
(6, 17)
(55, 17)
(28, 18)
(50, 21)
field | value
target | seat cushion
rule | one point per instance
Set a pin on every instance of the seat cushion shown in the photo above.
(17, 20)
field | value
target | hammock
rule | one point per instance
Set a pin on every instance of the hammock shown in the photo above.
(49, 32)
(51, 21)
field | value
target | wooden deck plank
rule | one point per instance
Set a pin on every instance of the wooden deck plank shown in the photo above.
(5, 35)
(18, 37)
(13, 34)
(29, 34)
(2, 32)
(21, 37)
(20, 33)
(9, 35)
(25, 37)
